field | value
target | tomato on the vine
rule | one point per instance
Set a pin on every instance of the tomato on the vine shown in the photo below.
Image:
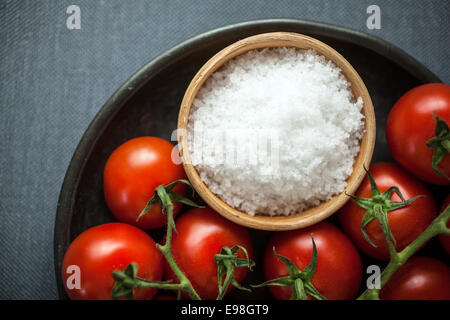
(445, 238)
(406, 223)
(100, 250)
(339, 268)
(201, 234)
(411, 123)
(132, 173)
(420, 278)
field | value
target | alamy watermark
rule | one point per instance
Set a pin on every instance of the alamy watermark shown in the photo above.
(73, 21)
(74, 280)
(374, 19)
(374, 280)
(212, 147)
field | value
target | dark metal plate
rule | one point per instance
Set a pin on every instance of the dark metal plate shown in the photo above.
(148, 103)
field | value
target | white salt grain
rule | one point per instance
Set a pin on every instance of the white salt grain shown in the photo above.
(297, 100)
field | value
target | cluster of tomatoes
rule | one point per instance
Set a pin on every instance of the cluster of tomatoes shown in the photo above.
(136, 168)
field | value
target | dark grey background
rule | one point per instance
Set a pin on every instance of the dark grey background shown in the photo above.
(54, 80)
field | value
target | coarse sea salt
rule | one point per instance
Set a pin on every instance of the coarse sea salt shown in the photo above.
(275, 131)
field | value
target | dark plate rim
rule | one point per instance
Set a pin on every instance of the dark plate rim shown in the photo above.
(178, 52)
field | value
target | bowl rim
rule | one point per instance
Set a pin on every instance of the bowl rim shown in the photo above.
(69, 186)
(311, 215)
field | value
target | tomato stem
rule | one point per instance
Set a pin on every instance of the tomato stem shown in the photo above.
(166, 249)
(227, 261)
(398, 259)
(127, 280)
(440, 144)
(298, 280)
(377, 208)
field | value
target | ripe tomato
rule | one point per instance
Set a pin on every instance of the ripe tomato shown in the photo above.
(445, 238)
(132, 173)
(406, 223)
(411, 124)
(100, 250)
(420, 278)
(339, 268)
(201, 233)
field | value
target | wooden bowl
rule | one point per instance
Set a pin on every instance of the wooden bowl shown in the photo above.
(312, 215)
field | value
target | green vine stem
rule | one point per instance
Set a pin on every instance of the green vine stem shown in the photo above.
(127, 280)
(166, 249)
(438, 226)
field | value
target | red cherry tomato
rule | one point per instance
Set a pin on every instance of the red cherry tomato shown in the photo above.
(339, 268)
(445, 238)
(132, 173)
(201, 233)
(406, 223)
(420, 278)
(100, 250)
(411, 124)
